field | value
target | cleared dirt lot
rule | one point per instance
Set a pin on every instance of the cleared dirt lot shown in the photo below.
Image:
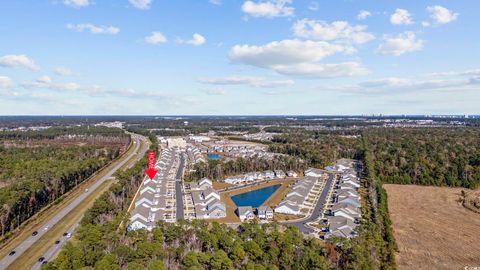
(432, 229)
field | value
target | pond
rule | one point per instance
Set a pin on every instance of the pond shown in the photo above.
(254, 198)
(213, 157)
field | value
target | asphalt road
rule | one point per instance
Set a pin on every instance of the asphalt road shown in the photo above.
(317, 211)
(178, 188)
(27, 243)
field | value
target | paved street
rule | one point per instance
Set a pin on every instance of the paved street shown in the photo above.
(178, 188)
(317, 211)
(27, 243)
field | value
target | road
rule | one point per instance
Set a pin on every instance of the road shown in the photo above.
(178, 188)
(27, 243)
(317, 211)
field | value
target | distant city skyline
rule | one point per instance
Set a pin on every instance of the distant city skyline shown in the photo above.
(234, 57)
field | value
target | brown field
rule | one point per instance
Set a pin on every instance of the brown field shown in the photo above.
(221, 185)
(432, 228)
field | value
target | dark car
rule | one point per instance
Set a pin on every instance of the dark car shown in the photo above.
(44, 262)
(34, 233)
(65, 233)
(57, 242)
(41, 259)
(12, 253)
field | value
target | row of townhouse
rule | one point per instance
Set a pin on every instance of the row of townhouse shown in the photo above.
(206, 200)
(156, 197)
(246, 213)
(345, 213)
(253, 177)
(303, 193)
(194, 155)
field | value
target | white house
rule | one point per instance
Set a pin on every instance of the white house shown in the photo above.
(286, 207)
(245, 213)
(292, 174)
(314, 172)
(264, 212)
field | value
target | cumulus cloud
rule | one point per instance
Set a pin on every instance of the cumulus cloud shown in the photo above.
(403, 43)
(401, 17)
(196, 40)
(441, 15)
(269, 9)
(141, 4)
(5, 82)
(363, 14)
(94, 29)
(77, 3)
(63, 71)
(156, 38)
(257, 82)
(297, 58)
(18, 61)
(338, 30)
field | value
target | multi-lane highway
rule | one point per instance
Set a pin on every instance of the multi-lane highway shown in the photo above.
(43, 229)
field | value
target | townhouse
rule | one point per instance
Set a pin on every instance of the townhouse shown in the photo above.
(206, 200)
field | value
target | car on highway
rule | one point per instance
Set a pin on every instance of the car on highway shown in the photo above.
(65, 233)
(69, 235)
(44, 262)
(86, 190)
(12, 253)
(41, 259)
(34, 233)
(57, 242)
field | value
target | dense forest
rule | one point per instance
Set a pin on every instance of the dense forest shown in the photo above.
(219, 170)
(38, 167)
(434, 156)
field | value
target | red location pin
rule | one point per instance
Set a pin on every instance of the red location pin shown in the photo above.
(151, 172)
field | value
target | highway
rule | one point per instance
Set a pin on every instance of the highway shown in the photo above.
(52, 251)
(317, 211)
(178, 188)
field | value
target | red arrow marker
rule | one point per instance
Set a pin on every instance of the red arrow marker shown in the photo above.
(151, 172)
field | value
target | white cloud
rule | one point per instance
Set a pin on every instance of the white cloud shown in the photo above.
(63, 71)
(141, 4)
(363, 14)
(403, 43)
(268, 9)
(77, 3)
(45, 82)
(456, 81)
(319, 70)
(442, 15)
(401, 17)
(297, 58)
(5, 82)
(215, 91)
(196, 40)
(257, 82)
(94, 29)
(313, 6)
(215, 2)
(156, 38)
(425, 24)
(18, 61)
(338, 30)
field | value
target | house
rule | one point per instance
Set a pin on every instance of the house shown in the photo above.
(314, 172)
(286, 207)
(280, 174)
(346, 211)
(235, 180)
(269, 174)
(264, 212)
(245, 213)
(292, 174)
(340, 227)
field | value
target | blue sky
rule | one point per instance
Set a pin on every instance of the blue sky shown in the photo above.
(239, 57)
